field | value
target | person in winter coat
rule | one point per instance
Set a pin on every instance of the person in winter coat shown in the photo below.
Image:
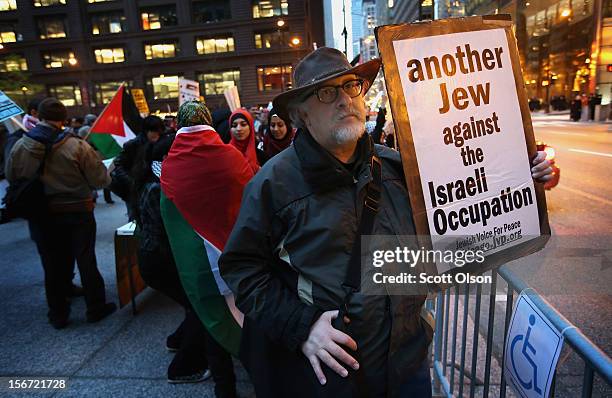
(243, 137)
(67, 232)
(288, 256)
(152, 129)
(278, 136)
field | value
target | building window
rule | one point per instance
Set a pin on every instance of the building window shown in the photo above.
(164, 87)
(45, 3)
(211, 11)
(109, 55)
(106, 90)
(8, 33)
(107, 23)
(8, 5)
(13, 63)
(270, 78)
(161, 50)
(51, 28)
(158, 17)
(215, 83)
(69, 94)
(270, 39)
(59, 59)
(215, 45)
(269, 8)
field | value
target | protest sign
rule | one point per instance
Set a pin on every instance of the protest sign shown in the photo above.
(140, 101)
(465, 136)
(8, 108)
(189, 90)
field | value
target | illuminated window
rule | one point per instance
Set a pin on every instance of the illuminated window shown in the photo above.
(270, 8)
(159, 17)
(8, 5)
(8, 33)
(59, 59)
(215, 83)
(270, 78)
(109, 55)
(44, 3)
(108, 23)
(106, 90)
(164, 87)
(51, 28)
(215, 45)
(270, 39)
(69, 94)
(211, 11)
(160, 50)
(13, 63)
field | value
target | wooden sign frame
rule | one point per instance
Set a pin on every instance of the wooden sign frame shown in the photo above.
(385, 36)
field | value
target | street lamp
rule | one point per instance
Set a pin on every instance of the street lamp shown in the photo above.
(24, 90)
(280, 23)
(295, 41)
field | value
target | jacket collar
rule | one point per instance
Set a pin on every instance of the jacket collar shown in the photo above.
(46, 134)
(322, 171)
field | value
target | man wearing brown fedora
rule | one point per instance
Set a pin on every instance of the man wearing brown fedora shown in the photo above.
(290, 260)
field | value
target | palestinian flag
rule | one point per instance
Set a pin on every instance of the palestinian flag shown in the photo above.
(202, 182)
(119, 122)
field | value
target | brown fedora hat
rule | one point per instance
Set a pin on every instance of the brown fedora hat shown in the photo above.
(319, 66)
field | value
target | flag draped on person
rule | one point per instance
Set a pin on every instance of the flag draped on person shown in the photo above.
(202, 182)
(118, 123)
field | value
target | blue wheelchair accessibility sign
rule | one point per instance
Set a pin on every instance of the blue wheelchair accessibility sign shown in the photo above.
(531, 351)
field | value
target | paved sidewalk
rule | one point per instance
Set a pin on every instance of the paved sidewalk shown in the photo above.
(122, 356)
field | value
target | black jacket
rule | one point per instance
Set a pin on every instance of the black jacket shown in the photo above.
(288, 254)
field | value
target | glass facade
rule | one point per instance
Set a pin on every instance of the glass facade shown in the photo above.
(51, 27)
(271, 39)
(555, 45)
(45, 3)
(8, 33)
(8, 5)
(106, 90)
(270, 78)
(68, 94)
(215, 45)
(109, 55)
(158, 17)
(215, 83)
(59, 59)
(13, 63)
(164, 87)
(160, 50)
(108, 23)
(270, 8)
(211, 11)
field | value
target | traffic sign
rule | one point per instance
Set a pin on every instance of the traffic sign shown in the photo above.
(532, 350)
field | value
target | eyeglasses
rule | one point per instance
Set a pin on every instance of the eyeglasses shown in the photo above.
(328, 94)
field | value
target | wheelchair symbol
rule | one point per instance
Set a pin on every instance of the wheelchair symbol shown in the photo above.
(525, 351)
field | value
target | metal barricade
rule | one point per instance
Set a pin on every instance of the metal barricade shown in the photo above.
(449, 376)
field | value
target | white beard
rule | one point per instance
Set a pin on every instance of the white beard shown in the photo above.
(348, 134)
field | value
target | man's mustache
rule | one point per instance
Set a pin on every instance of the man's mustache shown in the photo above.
(347, 114)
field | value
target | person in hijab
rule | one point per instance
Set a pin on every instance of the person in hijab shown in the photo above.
(279, 135)
(243, 137)
(202, 183)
